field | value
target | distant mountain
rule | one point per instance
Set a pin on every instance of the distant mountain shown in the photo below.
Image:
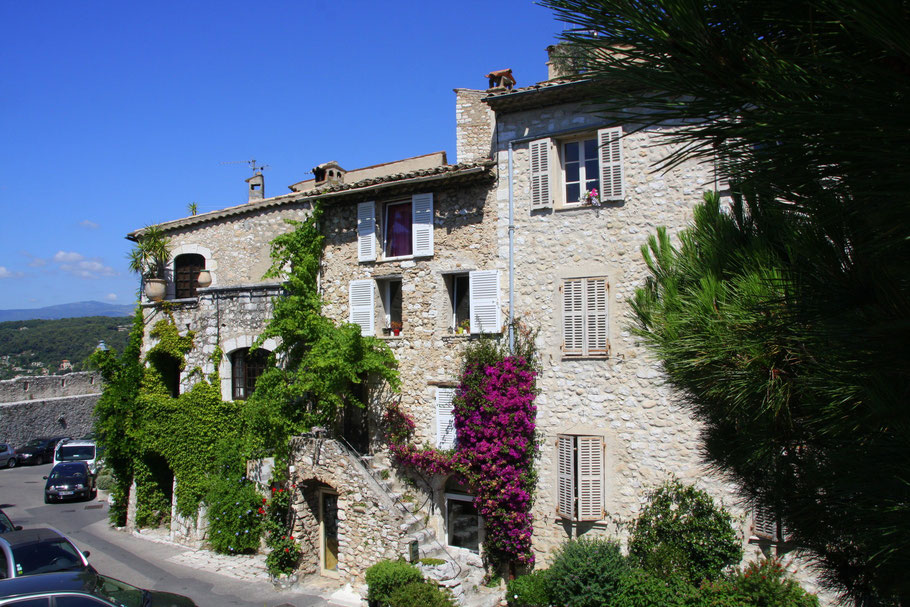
(70, 310)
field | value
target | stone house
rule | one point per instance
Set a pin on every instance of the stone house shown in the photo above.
(425, 255)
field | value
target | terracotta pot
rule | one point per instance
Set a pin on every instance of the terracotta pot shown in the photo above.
(155, 288)
(205, 278)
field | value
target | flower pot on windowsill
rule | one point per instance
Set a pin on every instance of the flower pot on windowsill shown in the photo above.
(205, 278)
(395, 332)
(155, 288)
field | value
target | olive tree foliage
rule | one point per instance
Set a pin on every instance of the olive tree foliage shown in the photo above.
(781, 317)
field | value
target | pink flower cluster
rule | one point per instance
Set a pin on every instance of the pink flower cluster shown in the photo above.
(495, 425)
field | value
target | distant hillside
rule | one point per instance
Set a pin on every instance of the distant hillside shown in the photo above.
(40, 347)
(70, 310)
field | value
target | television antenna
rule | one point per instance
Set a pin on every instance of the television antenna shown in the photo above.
(251, 162)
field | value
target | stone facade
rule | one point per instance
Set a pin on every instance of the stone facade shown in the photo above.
(54, 405)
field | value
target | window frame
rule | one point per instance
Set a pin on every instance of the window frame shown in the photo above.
(373, 228)
(454, 495)
(581, 140)
(243, 374)
(194, 270)
(385, 232)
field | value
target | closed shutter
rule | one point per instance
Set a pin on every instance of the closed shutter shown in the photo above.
(609, 142)
(484, 298)
(422, 224)
(596, 316)
(540, 173)
(362, 308)
(573, 316)
(565, 476)
(764, 523)
(366, 231)
(590, 478)
(445, 418)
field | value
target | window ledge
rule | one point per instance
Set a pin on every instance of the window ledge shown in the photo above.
(566, 357)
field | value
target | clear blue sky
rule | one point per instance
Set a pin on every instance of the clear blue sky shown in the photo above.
(117, 114)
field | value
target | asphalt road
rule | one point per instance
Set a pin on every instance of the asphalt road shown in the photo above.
(121, 555)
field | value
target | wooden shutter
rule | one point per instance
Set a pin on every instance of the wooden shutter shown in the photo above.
(573, 316)
(565, 476)
(366, 231)
(590, 478)
(609, 142)
(362, 308)
(764, 523)
(483, 286)
(445, 418)
(540, 173)
(596, 319)
(422, 224)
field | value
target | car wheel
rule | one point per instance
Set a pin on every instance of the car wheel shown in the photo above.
(47, 500)
(11, 463)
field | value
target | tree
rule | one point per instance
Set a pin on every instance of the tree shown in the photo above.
(782, 320)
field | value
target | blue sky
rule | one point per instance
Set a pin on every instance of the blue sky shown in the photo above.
(116, 115)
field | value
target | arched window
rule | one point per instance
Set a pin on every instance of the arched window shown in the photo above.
(186, 272)
(246, 367)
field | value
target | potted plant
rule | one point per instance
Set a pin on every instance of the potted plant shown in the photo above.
(395, 325)
(463, 327)
(149, 259)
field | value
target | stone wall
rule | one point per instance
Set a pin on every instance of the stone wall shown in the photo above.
(49, 386)
(473, 126)
(64, 416)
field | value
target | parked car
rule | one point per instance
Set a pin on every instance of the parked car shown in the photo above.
(91, 587)
(77, 451)
(41, 550)
(69, 480)
(6, 524)
(38, 450)
(7, 456)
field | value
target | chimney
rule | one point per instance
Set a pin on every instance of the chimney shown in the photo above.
(257, 187)
(501, 79)
(329, 173)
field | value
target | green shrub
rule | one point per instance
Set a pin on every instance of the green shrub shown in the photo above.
(419, 594)
(385, 577)
(640, 588)
(235, 524)
(762, 584)
(681, 530)
(529, 590)
(284, 557)
(586, 573)
(105, 481)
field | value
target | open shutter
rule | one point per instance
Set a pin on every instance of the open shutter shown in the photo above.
(590, 478)
(484, 298)
(764, 523)
(611, 177)
(366, 231)
(596, 316)
(573, 316)
(565, 476)
(445, 418)
(362, 308)
(422, 224)
(540, 173)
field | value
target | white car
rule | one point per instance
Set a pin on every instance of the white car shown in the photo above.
(77, 451)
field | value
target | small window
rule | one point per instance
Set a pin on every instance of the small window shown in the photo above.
(460, 299)
(390, 289)
(474, 302)
(582, 169)
(186, 272)
(464, 524)
(397, 224)
(766, 524)
(585, 316)
(246, 367)
(395, 229)
(579, 478)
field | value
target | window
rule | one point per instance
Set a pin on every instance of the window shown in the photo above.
(579, 482)
(186, 273)
(585, 320)
(404, 228)
(361, 305)
(445, 418)
(390, 290)
(574, 166)
(246, 367)
(766, 524)
(464, 525)
(474, 302)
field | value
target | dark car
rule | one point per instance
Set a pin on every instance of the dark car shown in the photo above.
(6, 524)
(69, 480)
(86, 588)
(34, 551)
(38, 450)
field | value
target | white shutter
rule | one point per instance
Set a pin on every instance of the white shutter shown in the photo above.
(590, 478)
(573, 316)
(362, 308)
(609, 142)
(540, 173)
(484, 299)
(596, 316)
(445, 418)
(422, 224)
(366, 231)
(565, 476)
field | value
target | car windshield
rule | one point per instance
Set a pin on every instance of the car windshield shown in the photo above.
(75, 453)
(67, 475)
(5, 523)
(45, 557)
(119, 592)
(35, 442)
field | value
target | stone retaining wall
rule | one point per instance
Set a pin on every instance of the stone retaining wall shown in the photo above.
(64, 416)
(49, 386)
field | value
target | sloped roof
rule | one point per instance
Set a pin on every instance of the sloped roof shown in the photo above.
(548, 92)
(397, 183)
